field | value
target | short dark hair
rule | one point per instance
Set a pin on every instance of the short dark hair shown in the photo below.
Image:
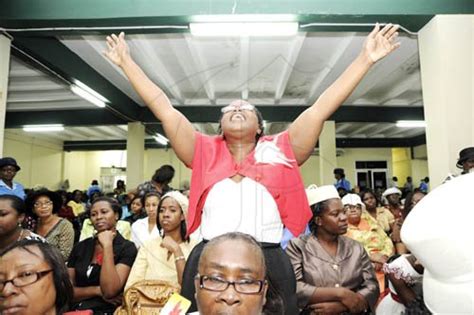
(339, 171)
(234, 236)
(62, 283)
(114, 204)
(15, 202)
(164, 174)
(182, 228)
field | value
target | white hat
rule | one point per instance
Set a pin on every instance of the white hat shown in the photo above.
(352, 199)
(317, 194)
(391, 191)
(438, 231)
(180, 198)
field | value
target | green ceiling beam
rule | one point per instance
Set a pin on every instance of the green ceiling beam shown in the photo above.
(204, 114)
(340, 143)
(412, 14)
(58, 58)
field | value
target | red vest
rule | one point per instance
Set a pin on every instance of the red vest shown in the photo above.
(272, 164)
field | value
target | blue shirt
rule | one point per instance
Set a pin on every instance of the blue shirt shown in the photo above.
(343, 183)
(288, 236)
(17, 189)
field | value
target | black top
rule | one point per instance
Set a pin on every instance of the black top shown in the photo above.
(88, 274)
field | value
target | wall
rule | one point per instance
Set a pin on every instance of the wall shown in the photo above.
(401, 164)
(351, 155)
(310, 171)
(81, 167)
(40, 160)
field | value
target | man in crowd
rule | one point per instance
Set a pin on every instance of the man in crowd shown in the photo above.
(8, 170)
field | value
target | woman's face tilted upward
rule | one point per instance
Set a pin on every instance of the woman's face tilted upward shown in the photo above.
(239, 119)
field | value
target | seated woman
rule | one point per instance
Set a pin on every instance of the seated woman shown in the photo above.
(99, 266)
(333, 272)
(59, 232)
(12, 213)
(145, 229)
(75, 202)
(88, 229)
(136, 210)
(410, 201)
(33, 279)
(382, 215)
(369, 233)
(164, 258)
(405, 275)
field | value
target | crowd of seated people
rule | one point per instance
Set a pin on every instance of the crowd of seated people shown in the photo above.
(336, 264)
(343, 263)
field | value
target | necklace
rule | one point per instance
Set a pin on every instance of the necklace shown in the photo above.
(21, 235)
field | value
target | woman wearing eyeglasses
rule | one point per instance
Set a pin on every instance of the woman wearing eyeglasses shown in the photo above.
(33, 280)
(243, 180)
(59, 232)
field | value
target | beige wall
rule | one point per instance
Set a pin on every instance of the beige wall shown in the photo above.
(40, 161)
(401, 164)
(81, 167)
(350, 156)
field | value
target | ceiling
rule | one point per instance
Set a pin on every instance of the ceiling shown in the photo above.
(281, 75)
(288, 71)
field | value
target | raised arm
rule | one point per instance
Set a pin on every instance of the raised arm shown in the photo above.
(177, 127)
(305, 130)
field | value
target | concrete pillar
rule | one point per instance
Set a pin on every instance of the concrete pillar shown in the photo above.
(327, 153)
(135, 154)
(446, 46)
(4, 70)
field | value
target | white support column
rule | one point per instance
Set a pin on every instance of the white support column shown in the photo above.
(446, 46)
(327, 153)
(4, 70)
(135, 154)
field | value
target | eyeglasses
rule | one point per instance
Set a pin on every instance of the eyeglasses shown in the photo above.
(230, 108)
(24, 279)
(245, 286)
(43, 204)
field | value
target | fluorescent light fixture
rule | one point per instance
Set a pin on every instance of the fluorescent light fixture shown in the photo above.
(88, 96)
(91, 91)
(244, 18)
(43, 128)
(161, 139)
(411, 124)
(244, 29)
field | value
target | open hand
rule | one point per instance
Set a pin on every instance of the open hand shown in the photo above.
(117, 49)
(381, 42)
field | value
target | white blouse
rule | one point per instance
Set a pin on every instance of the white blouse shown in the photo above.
(245, 207)
(140, 232)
